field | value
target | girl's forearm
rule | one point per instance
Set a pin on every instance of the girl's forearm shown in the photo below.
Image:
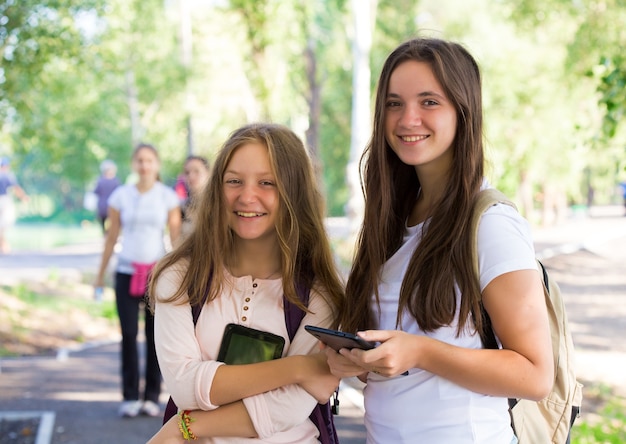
(235, 382)
(228, 420)
(512, 376)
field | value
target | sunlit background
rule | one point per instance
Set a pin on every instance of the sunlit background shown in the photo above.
(84, 80)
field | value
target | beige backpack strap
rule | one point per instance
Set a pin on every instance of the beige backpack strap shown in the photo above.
(486, 199)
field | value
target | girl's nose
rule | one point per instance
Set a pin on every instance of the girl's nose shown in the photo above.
(248, 194)
(411, 116)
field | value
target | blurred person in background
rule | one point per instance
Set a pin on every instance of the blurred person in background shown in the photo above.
(8, 184)
(196, 175)
(107, 183)
(143, 211)
(623, 189)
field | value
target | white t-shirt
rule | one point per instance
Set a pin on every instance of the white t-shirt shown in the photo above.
(423, 407)
(143, 219)
(187, 355)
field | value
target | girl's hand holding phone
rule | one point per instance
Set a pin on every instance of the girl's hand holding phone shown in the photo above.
(391, 358)
(342, 367)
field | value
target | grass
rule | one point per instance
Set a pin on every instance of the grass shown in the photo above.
(36, 319)
(59, 304)
(42, 236)
(605, 426)
(609, 429)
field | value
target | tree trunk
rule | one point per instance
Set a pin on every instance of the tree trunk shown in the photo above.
(526, 196)
(186, 41)
(361, 117)
(314, 101)
(133, 107)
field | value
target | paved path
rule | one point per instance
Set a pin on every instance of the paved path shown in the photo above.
(74, 397)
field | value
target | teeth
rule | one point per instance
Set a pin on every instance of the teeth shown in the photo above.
(242, 214)
(412, 138)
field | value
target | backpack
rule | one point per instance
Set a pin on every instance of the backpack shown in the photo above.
(322, 414)
(547, 421)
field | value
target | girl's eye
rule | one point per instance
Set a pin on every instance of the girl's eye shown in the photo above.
(430, 102)
(393, 104)
(232, 181)
(268, 183)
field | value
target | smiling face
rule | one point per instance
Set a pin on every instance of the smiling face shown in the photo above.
(252, 199)
(420, 121)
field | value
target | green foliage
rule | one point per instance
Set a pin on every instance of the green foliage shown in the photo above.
(31, 33)
(530, 14)
(62, 304)
(611, 87)
(81, 81)
(49, 310)
(335, 78)
(593, 71)
(71, 110)
(43, 236)
(609, 428)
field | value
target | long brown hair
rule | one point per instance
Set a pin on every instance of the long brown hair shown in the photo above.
(306, 256)
(443, 257)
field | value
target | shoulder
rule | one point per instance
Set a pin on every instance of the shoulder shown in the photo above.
(504, 243)
(169, 195)
(169, 280)
(503, 218)
(124, 189)
(319, 297)
(162, 188)
(120, 194)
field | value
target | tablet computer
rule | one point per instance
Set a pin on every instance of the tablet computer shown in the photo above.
(339, 339)
(245, 345)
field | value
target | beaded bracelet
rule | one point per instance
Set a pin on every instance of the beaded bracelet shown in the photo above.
(183, 425)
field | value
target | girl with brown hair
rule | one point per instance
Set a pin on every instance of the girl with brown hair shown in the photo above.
(413, 287)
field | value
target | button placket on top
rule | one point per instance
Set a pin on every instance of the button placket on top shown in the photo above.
(245, 309)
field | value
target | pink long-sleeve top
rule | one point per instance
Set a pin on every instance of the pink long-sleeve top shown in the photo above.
(187, 356)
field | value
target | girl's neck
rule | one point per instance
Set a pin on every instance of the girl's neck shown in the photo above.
(144, 185)
(261, 260)
(429, 195)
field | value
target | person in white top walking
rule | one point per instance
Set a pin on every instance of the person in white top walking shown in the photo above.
(142, 211)
(412, 286)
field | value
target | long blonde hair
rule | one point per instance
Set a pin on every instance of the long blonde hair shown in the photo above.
(306, 257)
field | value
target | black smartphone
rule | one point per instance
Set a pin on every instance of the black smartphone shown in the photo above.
(339, 339)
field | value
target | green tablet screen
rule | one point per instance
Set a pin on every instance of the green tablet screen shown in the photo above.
(245, 345)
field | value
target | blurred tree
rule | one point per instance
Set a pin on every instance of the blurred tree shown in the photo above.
(82, 80)
(363, 13)
(79, 100)
(256, 15)
(315, 19)
(594, 63)
(297, 76)
(37, 40)
(335, 77)
(535, 117)
(32, 32)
